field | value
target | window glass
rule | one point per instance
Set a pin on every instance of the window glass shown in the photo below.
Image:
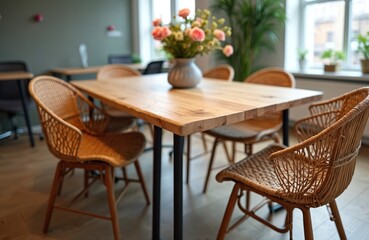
(359, 25)
(324, 28)
(161, 9)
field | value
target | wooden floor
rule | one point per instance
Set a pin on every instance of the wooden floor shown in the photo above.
(25, 179)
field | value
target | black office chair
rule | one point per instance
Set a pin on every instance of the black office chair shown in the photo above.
(154, 67)
(10, 98)
(125, 59)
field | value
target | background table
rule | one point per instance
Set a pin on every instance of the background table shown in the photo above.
(186, 111)
(67, 73)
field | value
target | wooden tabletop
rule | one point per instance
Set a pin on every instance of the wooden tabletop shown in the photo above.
(15, 75)
(211, 104)
(88, 70)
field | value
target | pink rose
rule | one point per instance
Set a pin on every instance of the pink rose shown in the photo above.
(219, 34)
(197, 34)
(184, 12)
(156, 22)
(228, 50)
(159, 33)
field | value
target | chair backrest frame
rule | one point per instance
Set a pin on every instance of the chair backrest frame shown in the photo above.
(154, 67)
(120, 59)
(116, 71)
(221, 72)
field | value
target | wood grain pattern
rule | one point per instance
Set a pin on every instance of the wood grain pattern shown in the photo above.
(15, 75)
(185, 111)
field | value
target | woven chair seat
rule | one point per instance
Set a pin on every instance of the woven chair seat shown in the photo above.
(247, 131)
(120, 123)
(119, 150)
(256, 171)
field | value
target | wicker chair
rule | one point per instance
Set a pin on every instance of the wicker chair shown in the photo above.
(222, 72)
(304, 176)
(118, 71)
(75, 131)
(255, 130)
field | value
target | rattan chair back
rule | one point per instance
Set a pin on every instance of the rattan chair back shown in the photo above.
(275, 77)
(116, 71)
(331, 140)
(222, 72)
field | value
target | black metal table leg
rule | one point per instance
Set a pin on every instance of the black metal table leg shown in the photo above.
(285, 127)
(68, 78)
(156, 183)
(25, 109)
(178, 186)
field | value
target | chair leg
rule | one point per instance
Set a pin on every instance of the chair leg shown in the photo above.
(308, 227)
(124, 174)
(216, 141)
(54, 191)
(109, 183)
(337, 219)
(142, 182)
(228, 212)
(188, 155)
(203, 137)
(86, 178)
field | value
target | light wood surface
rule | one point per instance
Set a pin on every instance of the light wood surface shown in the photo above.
(185, 111)
(15, 75)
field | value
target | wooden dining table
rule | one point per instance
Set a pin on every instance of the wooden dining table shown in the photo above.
(211, 104)
(20, 76)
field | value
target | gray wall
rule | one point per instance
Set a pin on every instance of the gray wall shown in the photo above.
(54, 41)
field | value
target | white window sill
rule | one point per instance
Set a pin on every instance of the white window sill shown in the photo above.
(319, 74)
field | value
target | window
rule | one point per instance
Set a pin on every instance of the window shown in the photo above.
(334, 24)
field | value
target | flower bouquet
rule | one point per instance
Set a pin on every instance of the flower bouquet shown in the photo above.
(183, 40)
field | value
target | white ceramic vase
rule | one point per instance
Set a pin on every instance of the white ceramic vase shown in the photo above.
(184, 73)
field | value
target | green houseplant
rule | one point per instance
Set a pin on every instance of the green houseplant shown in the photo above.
(255, 27)
(331, 59)
(363, 49)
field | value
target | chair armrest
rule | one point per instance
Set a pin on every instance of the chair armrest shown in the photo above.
(311, 126)
(63, 138)
(301, 169)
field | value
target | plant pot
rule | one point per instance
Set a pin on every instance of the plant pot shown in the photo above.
(364, 65)
(330, 67)
(302, 64)
(184, 73)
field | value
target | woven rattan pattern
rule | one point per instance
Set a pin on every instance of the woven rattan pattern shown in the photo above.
(308, 172)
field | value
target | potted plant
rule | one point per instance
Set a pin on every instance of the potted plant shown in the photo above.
(363, 49)
(256, 27)
(331, 59)
(302, 58)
